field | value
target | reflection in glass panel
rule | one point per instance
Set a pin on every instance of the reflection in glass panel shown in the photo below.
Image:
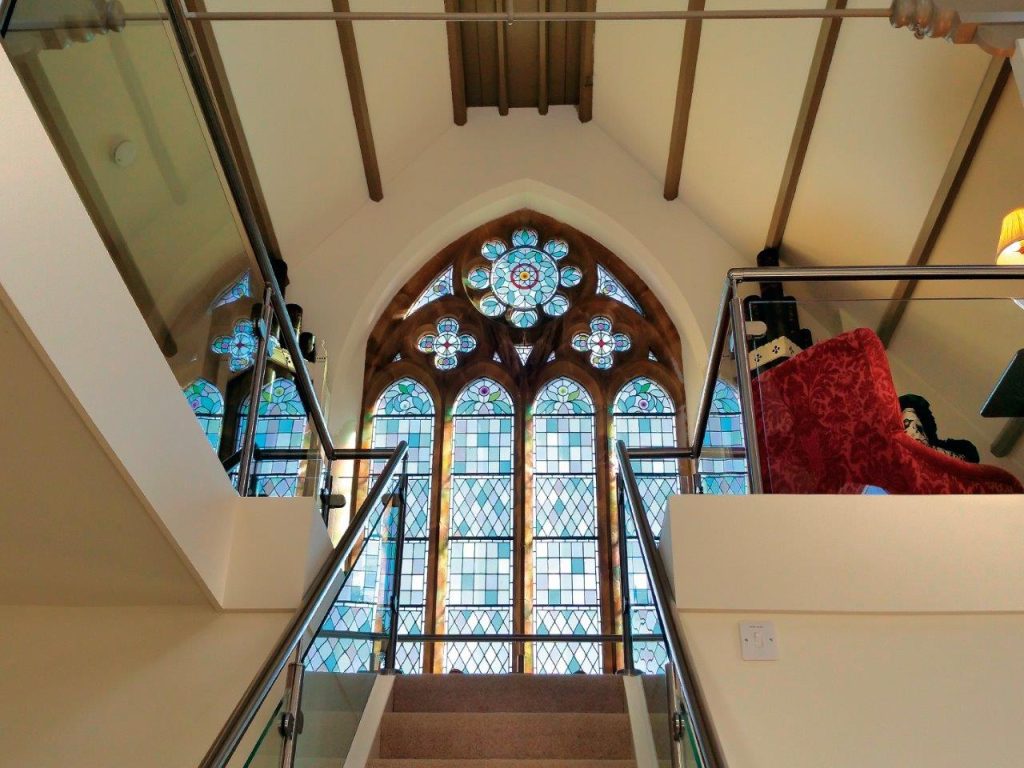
(566, 598)
(645, 417)
(479, 593)
(281, 424)
(207, 404)
(725, 430)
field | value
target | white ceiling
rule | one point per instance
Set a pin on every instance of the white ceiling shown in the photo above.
(72, 531)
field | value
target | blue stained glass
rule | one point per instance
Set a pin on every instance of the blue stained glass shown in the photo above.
(479, 278)
(239, 289)
(571, 277)
(557, 307)
(490, 306)
(281, 423)
(563, 396)
(208, 407)
(439, 287)
(446, 344)
(556, 249)
(521, 319)
(241, 346)
(567, 658)
(483, 397)
(479, 594)
(406, 397)
(601, 343)
(642, 395)
(565, 506)
(724, 476)
(608, 285)
(523, 352)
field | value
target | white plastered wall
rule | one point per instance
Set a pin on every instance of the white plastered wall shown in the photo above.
(897, 618)
(478, 172)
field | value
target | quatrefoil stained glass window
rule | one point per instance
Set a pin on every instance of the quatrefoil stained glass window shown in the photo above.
(523, 280)
(601, 343)
(446, 344)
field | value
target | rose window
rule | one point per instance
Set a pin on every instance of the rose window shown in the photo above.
(446, 344)
(601, 343)
(523, 278)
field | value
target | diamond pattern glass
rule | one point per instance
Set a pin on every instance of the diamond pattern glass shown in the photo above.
(481, 507)
(281, 423)
(566, 506)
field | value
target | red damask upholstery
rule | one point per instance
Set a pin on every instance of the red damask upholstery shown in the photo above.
(829, 421)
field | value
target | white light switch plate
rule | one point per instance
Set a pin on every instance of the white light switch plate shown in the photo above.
(758, 641)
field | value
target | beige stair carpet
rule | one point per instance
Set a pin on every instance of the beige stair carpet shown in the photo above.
(506, 721)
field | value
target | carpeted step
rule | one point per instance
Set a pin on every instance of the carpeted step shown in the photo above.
(506, 735)
(378, 763)
(509, 693)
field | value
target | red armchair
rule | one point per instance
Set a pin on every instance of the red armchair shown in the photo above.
(829, 421)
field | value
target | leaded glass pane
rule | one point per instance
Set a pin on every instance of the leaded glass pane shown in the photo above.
(281, 424)
(564, 445)
(439, 287)
(608, 285)
(725, 430)
(207, 406)
(479, 593)
(565, 572)
(566, 506)
(567, 658)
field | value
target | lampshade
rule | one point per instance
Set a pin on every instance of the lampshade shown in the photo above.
(1011, 239)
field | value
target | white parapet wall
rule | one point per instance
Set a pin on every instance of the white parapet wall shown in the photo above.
(897, 622)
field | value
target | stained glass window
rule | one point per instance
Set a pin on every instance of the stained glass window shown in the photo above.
(601, 343)
(479, 593)
(724, 476)
(566, 598)
(523, 351)
(523, 278)
(447, 344)
(239, 289)
(439, 287)
(241, 346)
(644, 416)
(281, 424)
(608, 285)
(207, 405)
(404, 411)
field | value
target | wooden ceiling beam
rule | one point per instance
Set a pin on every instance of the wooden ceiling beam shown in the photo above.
(456, 66)
(587, 29)
(821, 62)
(357, 95)
(542, 69)
(213, 62)
(502, 30)
(978, 119)
(684, 100)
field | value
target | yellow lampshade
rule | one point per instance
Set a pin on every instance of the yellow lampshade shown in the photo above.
(1011, 239)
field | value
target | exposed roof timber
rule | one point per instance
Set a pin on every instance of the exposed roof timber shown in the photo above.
(978, 118)
(502, 68)
(357, 95)
(456, 66)
(587, 30)
(816, 79)
(217, 75)
(684, 99)
(542, 61)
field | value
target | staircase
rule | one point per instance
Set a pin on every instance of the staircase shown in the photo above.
(505, 721)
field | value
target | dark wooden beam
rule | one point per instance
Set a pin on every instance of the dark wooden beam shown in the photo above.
(816, 79)
(502, 32)
(542, 61)
(456, 65)
(357, 95)
(213, 62)
(684, 98)
(587, 28)
(949, 187)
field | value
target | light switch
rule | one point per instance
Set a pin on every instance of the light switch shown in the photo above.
(758, 641)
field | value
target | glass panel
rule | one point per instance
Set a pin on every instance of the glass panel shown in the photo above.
(565, 597)
(479, 591)
(332, 705)
(936, 410)
(267, 752)
(122, 115)
(719, 475)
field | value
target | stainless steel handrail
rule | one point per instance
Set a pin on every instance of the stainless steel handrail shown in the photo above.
(706, 745)
(324, 588)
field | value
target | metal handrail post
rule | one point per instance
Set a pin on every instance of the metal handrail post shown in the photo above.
(290, 641)
(707, 392)
(259, 371)
(705, 745)
(628, 666)
(390, 654)
(746, 385)
(291, 719)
